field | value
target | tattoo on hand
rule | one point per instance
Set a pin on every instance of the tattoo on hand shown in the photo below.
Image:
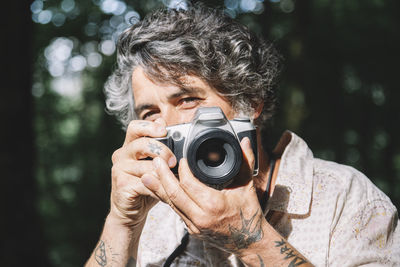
(144, 123)
(155, 148)
(248, 233)
(289, 253)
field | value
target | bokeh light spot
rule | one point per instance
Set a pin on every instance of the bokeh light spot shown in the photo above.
(176, 4)
(91, 29)
(67, 5)
(59, 50)
(352, 156)
(94, 59)
(115, 21)
(378, 95)
(113, 7)
(381, 140)
(45, 16)
(231, 4)
(107, 47)
(351, 137)
(287, 6)
(37, 89)
(69, 86)
(132, 17)
(37, 6)
(58, 19)
(248, 5)
(351, 81)
(77, 63)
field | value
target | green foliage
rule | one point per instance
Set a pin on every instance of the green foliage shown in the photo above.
(338, 92)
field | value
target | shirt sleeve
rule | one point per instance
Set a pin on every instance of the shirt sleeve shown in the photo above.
(368, 236)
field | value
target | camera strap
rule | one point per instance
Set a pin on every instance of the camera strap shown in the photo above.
(265, 197)
(179, 250)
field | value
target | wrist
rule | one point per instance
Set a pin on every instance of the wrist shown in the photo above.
(128, 217)
(255, 254)
(274, 249)
(117, 229)
(123, 224)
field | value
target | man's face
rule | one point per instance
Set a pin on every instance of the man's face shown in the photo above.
(172, 103)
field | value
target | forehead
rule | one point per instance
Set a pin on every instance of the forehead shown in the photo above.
(143, 85)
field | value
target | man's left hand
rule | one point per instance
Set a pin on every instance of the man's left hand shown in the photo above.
(230, 218)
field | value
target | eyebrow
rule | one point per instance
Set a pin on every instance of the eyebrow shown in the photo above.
(182, 91)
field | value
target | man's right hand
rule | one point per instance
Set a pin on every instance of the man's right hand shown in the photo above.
(130, 199)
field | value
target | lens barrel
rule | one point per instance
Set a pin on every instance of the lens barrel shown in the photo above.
(215, 157)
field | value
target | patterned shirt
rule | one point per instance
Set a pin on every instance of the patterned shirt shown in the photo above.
(331, 213)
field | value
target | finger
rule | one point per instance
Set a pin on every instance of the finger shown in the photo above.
(130, 184)
(153, 184)
(140, 128)
(175, 195)
(135, 167)
(161, 122)
(248, 152)
(144, 147)
(192, 186)
(246, 170)
(210, 200)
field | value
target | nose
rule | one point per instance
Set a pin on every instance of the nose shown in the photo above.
(172, 116)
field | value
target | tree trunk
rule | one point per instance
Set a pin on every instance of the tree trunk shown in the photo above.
(21, 240)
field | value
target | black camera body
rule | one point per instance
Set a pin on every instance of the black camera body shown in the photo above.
(211, 144)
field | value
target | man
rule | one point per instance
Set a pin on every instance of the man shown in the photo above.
(318, 213)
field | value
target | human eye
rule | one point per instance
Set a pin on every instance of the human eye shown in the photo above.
(149, 115)
(189, 102)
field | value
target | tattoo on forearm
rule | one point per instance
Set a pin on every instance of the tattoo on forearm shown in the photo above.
(103, 253)
(100, 254)
(261, 261)
(289, 254)
(155, 148)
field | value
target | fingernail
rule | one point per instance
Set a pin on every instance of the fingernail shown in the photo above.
(172, 161)
(246, 141)
(160, 129)
(157, 162)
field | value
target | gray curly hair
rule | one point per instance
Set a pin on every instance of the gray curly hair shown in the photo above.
(200, 41)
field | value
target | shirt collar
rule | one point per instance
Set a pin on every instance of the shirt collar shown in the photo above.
(293, 187)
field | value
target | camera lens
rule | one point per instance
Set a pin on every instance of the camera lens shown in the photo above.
(212, 153)
(215, 157)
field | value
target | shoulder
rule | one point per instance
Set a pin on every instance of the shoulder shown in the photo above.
(350, 185)
(364, 221)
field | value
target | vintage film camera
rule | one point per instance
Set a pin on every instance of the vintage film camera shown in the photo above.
(211, 144)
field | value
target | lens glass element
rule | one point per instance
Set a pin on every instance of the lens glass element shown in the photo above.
(212, 152)
(214, 157)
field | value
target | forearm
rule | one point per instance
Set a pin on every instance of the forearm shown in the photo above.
(117, 245)
(272, 250)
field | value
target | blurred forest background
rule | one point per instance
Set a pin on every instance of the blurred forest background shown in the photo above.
(339, 91)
